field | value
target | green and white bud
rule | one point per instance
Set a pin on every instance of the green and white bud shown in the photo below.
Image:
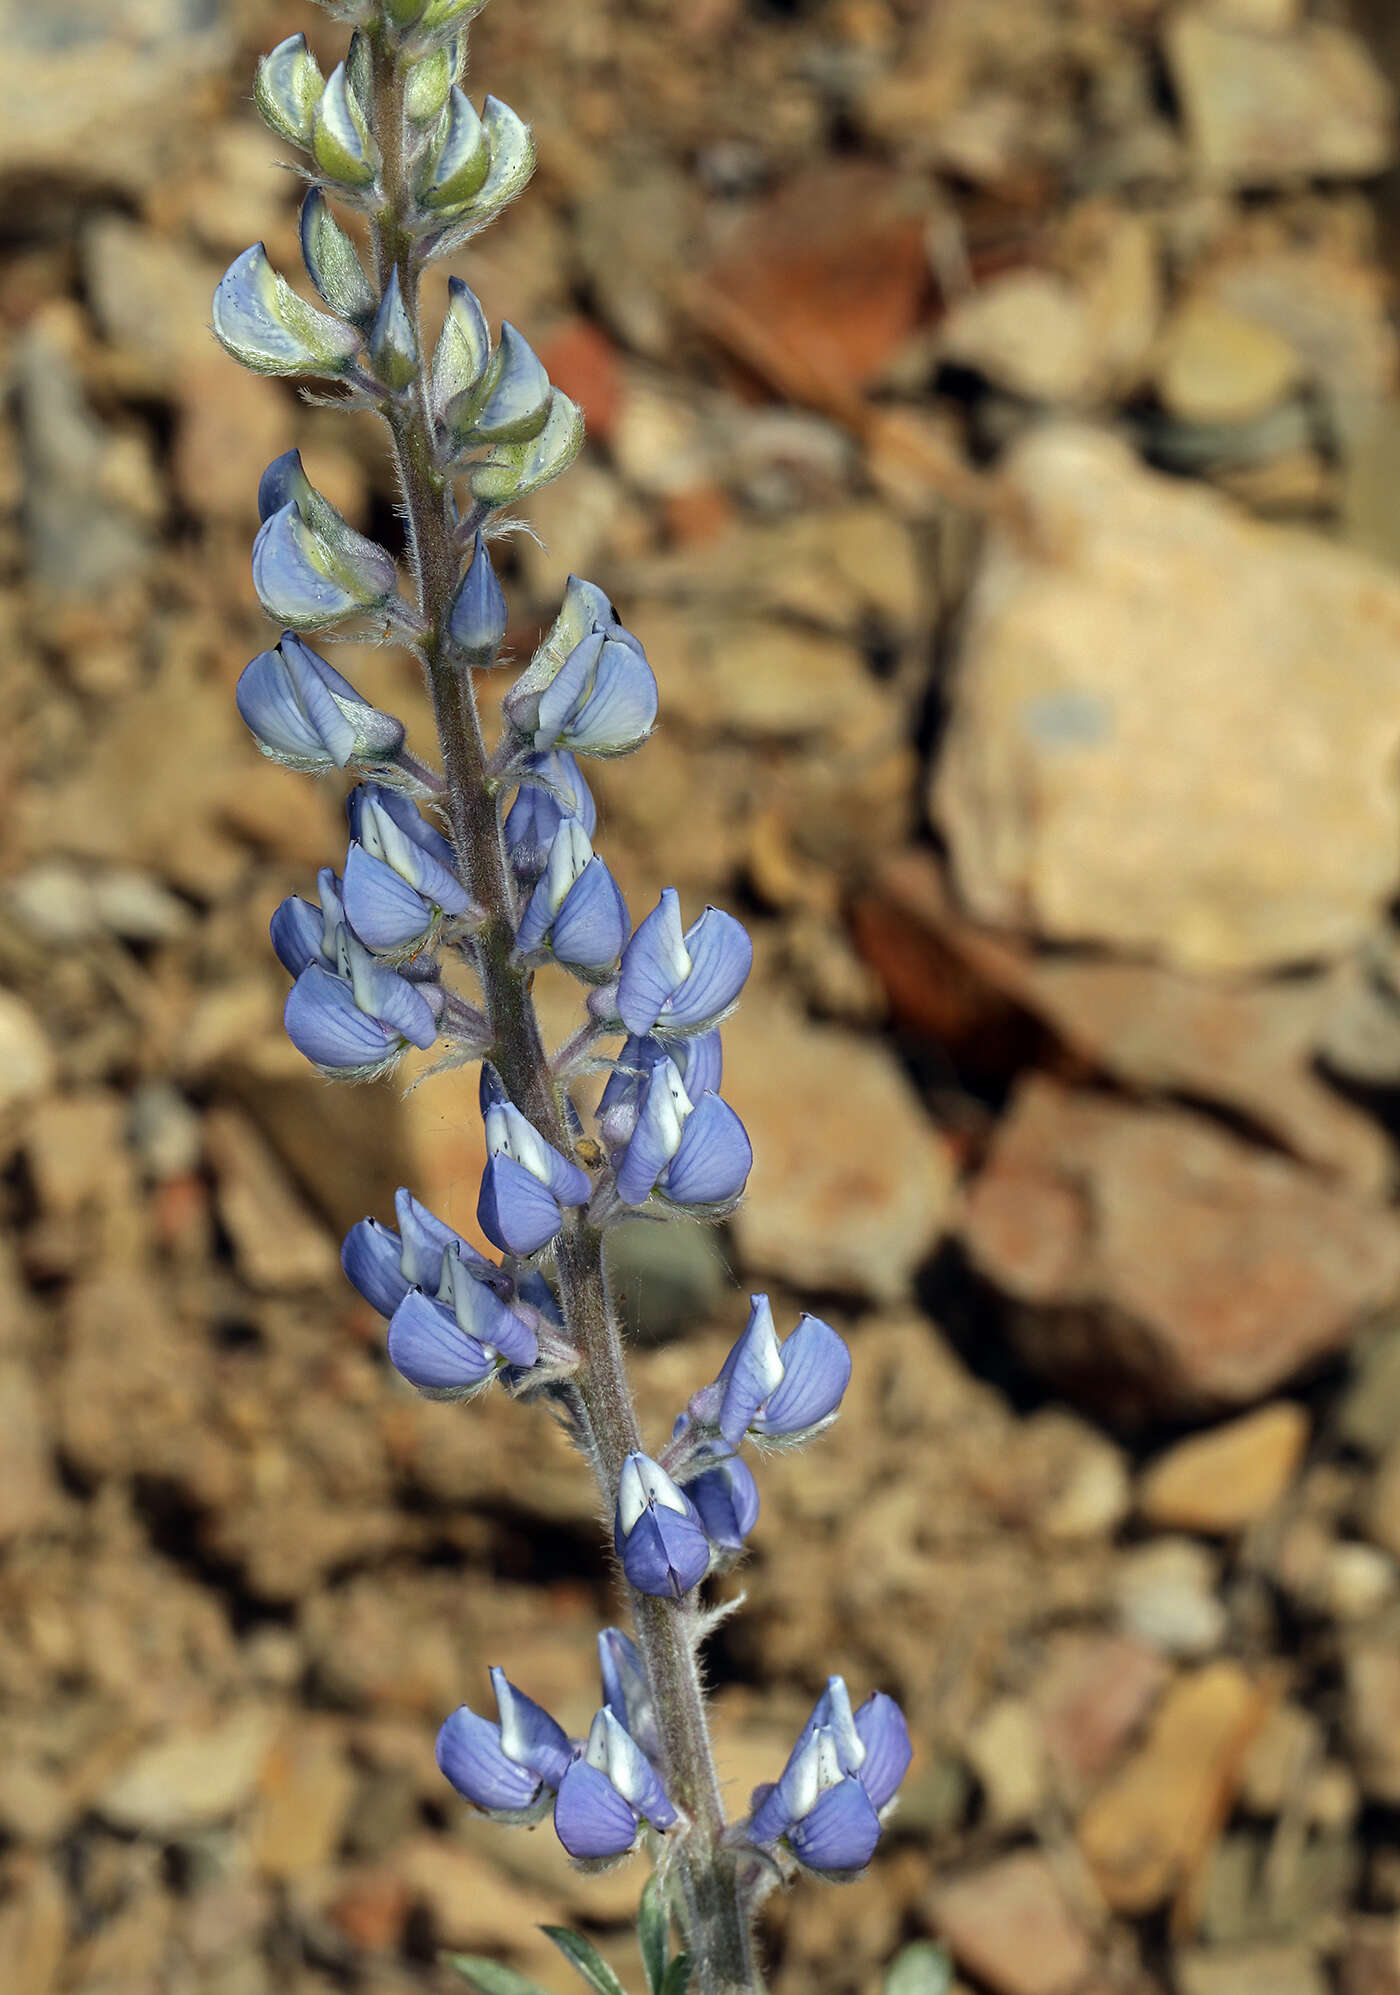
(333, 263)
(462, 351)
(446, 16)
(430, 82)
(261, 321)
(511, 401)
(459, 158)
(341, 141)
(288, 88)
(512, 162)
(393, 345)
(512, 471)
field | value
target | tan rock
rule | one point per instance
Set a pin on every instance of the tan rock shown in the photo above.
(1143, 1830)
(1267, 109)
(1371, 1716)
(27, 1063)
(1029, 332)
(306, 1789)
(1155, 1260)
(1154, 698)
(1009, 1925)
(1216, 367)
(192, 1778)
(1252, 1970)
(277, 1241)
(851, 1182)
(1006, 1751)
(1094, 1692)
(1229, 1478)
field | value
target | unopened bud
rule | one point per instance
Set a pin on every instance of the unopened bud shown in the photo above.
(288, 88)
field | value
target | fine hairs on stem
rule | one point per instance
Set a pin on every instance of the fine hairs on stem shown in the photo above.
(460, 881)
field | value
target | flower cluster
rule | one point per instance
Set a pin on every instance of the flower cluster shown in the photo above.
(487, 871)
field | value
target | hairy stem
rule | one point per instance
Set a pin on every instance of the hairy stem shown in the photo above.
(716, 1920)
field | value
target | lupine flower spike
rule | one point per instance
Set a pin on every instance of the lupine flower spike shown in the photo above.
(493, 878)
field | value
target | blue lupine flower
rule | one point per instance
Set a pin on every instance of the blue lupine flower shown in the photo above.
(608, 1793)
(526, 1181)
(690, 1153)
(725, 1495)
(626, 1691)
(576, 914)
(782, 1392)
(288, 88)
(476, 623)
(673, 982)
(384, 1265)
(356, 1021)
(512, 1769)
(304, 581)
(842, 1772)
(551, 789)
(451, 1344)
(589, 687)
(306, 716)
(399, 878)
(657, 1531)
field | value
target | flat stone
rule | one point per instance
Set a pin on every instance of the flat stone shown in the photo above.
(1267, 110)
(191, 1779)
(1154, 1260)
(1217, 367)
(1154, 697)
(1094, 1692)
(27, 1063)
(1254, 1970)
(1006, 1751)
(1166, 1596)
(1009, 1924)
(305, 1792)
(1142, 1832)
(1229, 1478)
(277, 1241)
(852, 1183)
(1029, 332)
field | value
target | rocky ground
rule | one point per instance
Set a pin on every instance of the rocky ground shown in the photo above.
(995, 439)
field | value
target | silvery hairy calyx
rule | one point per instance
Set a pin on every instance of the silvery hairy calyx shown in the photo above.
(464, 873)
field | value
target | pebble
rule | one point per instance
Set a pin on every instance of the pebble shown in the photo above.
(1141, 1831)
(1371, 1715)
(1029, 332)
(27, 1063)
(1092, 1694)
(1006, 1751)
(278, 1243)
(191, 1779)
(305, 1791)
(1008, 1924)
(1165, 1591)
(1229, 1478)
(1217, 367)
(1260, 1970)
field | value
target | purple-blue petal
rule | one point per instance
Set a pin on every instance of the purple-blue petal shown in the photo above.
(296, 930)
(370, 1257)
(591, 927)
(882, 1730)
(665, 1553)
(426, 1238)
(529, 1735)
(324, 1022)
(516, 1212)
(745, 1373)
(721, 955)
(840, 1833)
(591, 1819)
(816, 1372)
(619, 711)
(715, 1156)
(726, 1497)
(469, 1754)
(648, 974)
(289, 584)
(293, 712)
(493, 1322)
(383, 909)
(427, 1347)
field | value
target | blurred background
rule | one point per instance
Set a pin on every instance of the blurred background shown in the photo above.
(994, 438)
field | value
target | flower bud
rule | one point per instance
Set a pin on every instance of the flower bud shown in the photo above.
(526, 1182)
(306, 716)
(261, 321)
(341, 141)
(657, 1531)
(356, 1021)
(601, 701)
(430, 82)
(458, 160)
(698, 1061)
(626, 1691)
(509, 404)
(605, 1796)
(451, 1345)
(333, 263)
(512, 472)
(393, 344)
(551, 789)
(825, 1807)
(476, 623)
(462, 350)
(384, 1265)
(725, 1496)
(448, 14)
(576, 914)
(288, 88)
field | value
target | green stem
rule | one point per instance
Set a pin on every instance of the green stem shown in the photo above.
(716, 1920)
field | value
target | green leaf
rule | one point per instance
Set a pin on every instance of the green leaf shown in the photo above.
(488, 1977)
(677, 1976)
(654, 1933)
(922, 1969)
(583, 1955)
